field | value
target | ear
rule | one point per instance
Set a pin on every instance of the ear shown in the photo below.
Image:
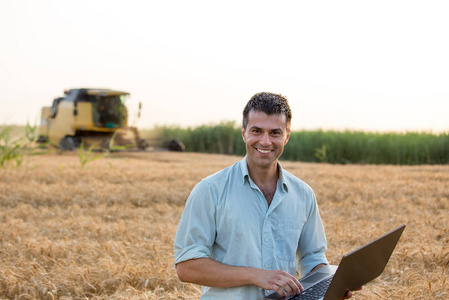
(243, 134)
(287, 137)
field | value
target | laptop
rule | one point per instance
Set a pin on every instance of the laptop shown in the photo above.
(355, 270)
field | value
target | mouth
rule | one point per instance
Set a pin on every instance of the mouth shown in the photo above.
(263, 151)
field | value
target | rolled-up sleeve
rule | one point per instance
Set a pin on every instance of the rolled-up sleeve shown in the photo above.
(312, 243)
(196, 230)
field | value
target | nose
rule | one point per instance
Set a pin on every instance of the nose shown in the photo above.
(265, 139)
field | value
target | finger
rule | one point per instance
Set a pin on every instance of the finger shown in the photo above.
(294, 283)
(291, 286)
(285, 287)
(296, 286)
(301, 288)
(279, 290)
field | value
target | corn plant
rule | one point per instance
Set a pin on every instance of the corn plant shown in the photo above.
(86, 156)
(321, 153)
(14, 151)
(9, 150)
(30, 133)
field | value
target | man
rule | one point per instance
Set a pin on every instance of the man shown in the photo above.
(245, 229)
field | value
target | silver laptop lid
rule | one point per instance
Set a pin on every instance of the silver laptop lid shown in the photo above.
(363, 264)
(355, 269)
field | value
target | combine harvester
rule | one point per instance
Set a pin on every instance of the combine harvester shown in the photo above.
(96, 118)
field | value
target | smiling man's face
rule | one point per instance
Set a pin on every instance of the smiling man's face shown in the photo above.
(265, 137)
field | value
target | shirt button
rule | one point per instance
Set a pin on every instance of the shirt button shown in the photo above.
(266, 240)
(266, 266)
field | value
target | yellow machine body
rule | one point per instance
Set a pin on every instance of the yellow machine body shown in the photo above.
(88, 116)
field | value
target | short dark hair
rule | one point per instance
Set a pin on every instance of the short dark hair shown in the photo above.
(268, 103)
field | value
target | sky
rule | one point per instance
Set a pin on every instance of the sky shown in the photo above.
(343, 65)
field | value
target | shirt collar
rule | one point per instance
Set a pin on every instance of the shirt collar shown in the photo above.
(246, 177)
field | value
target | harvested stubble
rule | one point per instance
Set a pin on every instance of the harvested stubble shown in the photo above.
(106, 231)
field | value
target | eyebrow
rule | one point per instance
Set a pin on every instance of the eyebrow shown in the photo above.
(258, 128)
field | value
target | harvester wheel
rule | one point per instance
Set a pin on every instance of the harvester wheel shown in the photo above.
(67, 144)
(175, 145)
(42, 139)
(142, 144)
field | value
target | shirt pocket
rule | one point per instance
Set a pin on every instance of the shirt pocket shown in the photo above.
(286, 238)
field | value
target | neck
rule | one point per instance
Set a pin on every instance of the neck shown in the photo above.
(263, 176)
(265, 179)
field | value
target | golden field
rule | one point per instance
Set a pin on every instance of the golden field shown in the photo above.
(106, 231)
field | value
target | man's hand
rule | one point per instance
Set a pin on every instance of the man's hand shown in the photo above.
(279, 281)
(208, 272)
(349, 293)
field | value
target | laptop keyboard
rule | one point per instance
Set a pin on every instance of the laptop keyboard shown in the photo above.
(314, 292)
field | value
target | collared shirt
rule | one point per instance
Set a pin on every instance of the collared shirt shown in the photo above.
(227, 218)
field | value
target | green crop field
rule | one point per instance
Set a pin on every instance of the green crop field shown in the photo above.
(341, 147)
(337, 147)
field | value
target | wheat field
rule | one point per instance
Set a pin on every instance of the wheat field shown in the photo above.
(106, 231)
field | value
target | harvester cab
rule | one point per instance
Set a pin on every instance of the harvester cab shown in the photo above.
(89, 116)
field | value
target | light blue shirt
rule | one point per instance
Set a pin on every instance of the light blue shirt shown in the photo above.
(227, 218)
